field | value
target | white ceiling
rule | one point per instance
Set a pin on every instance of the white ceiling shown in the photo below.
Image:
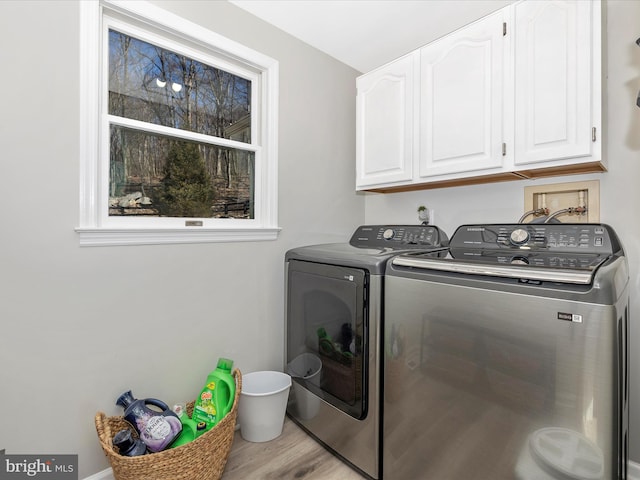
(366, 34)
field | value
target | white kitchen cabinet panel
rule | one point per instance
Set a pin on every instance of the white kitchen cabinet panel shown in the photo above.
(517, 94)
(385, 137)
(557, 82)
(463, 91)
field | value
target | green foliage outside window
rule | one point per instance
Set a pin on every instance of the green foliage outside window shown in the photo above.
(187, 189)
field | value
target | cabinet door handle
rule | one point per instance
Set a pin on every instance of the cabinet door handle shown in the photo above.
(593, 134)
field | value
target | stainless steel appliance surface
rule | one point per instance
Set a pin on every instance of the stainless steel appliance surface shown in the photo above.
(508, 358)
(333, 336)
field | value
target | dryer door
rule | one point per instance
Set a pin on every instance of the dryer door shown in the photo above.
(326, 325)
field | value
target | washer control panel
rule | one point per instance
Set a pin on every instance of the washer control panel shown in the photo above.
(559, 237)
(399, 237)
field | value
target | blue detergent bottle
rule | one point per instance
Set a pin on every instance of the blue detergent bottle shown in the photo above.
(127, 445)
(157, 429)
(217, 396)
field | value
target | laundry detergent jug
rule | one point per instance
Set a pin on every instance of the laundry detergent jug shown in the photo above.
(157, 429)
(216, 398)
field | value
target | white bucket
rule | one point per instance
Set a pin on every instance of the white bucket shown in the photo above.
(558, 453)
(308, 367)
(263, 401)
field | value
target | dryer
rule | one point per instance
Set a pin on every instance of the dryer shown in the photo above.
(334, 324)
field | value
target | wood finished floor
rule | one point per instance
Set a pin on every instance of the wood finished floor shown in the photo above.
(293, 455)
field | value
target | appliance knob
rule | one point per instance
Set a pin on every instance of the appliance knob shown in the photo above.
(388, 234)
(519, 261)
(519, 236)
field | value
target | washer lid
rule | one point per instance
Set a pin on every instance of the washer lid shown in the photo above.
(558, 253)
(567, 453)
(508, 266)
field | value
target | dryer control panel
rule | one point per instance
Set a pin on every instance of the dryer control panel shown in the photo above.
(399, 237)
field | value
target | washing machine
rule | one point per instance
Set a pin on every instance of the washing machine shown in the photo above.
(334, 324)
(510, 357)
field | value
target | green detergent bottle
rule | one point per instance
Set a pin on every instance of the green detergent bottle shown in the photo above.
(216, 398)
(190, 429)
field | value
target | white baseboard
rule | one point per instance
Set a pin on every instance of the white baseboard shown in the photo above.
(107, 475)
(634, 473)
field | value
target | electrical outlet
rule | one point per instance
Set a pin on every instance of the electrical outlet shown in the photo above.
(426, 215)
(572, 202)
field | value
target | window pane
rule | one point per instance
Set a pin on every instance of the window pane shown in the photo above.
(155, 85)
(162, 177)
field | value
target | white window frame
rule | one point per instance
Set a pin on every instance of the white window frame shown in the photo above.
(96, 228)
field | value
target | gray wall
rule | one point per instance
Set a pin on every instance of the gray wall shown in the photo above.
(619, 192)
(82, 325)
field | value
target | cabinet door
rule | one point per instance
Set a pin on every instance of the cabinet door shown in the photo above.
(385, 123)
(462, 99)
(554, 107)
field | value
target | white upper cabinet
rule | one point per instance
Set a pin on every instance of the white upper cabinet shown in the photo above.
(462, 99)
(557, 82)
(385, 137)
(517, 94)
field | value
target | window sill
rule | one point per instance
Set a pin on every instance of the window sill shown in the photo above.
(97, 237)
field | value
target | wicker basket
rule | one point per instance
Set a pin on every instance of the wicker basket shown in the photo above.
(202, 459)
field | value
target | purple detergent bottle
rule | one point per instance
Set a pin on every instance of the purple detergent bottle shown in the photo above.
(157, 429)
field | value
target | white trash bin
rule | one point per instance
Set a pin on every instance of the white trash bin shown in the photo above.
(308, 367)
(263, 402)
(556, 453)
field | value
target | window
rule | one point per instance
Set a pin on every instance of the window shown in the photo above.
(178, 131)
